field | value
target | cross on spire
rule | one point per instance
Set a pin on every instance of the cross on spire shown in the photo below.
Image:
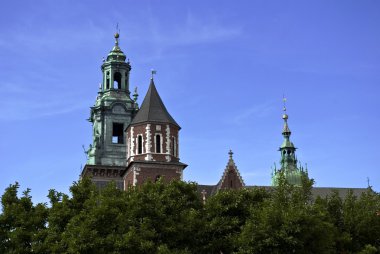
(230, 153)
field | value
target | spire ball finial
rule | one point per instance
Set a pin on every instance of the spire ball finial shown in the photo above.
(284, 116)
(116, 35)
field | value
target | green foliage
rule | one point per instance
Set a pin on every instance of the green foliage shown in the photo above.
(287, 222)
(171, 218)
(21, 222)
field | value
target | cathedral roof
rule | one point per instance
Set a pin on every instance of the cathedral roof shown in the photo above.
(153, 109)
(230, 171)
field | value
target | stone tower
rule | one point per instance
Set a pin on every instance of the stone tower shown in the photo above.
(293, 173)
(112, 113)
(152, 143)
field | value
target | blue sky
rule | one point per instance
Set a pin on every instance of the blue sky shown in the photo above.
(222, 69)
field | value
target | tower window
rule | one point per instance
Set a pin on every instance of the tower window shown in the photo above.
(174, 147)
(139, 144)
(117, 80)
(117, 133)
(108, 80)
(158, 143)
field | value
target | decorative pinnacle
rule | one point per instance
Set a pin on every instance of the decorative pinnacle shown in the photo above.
(153, 72)
(230, 153)
(135, 94)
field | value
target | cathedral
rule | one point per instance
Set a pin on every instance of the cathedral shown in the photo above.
(133, 144)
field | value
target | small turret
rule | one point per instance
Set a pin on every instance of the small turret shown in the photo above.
(152, 143)
(289, 168)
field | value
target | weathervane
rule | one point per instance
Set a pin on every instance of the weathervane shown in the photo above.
(153, 72)
(284, 100)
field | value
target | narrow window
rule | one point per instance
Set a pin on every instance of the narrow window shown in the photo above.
(117, 133)
(139, 144)
(108, 80)
(117, 80)
(231, 183)
(172, 146)
(158, 144)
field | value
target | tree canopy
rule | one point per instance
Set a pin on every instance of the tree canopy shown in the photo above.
(171, 218)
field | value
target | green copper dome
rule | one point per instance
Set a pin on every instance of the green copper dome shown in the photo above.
(116, 54)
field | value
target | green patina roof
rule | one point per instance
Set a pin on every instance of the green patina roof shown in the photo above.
(116, 54)
(287, 143)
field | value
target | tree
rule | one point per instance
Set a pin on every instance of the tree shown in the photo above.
(21, 222)
(287, 222)
(225, 213)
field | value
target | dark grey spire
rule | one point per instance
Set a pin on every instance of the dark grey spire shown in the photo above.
(153, 109)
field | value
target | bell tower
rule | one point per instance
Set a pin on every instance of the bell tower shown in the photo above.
(112, 112)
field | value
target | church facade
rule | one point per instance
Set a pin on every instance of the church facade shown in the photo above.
(133, 144)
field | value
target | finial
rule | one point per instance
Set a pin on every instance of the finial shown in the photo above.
(230, 153)
(117, 34)
(153, 72)
(284, 116)
(135, 94)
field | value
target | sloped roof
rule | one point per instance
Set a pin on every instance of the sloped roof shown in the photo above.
(153, 109)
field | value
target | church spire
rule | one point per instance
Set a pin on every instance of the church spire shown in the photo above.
(289, 168)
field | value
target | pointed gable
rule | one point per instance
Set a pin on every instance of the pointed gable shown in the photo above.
(231, 178)
(153, 109)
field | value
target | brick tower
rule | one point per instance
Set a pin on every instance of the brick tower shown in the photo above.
(152, 143)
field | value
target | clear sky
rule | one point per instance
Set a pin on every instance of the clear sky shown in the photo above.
(222, 69)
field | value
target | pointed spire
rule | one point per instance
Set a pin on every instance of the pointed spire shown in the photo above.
(285, 131)
(153, 109)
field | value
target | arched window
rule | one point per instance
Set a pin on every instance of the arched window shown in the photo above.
(117, 80)
(158, 143)
(139, 144)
